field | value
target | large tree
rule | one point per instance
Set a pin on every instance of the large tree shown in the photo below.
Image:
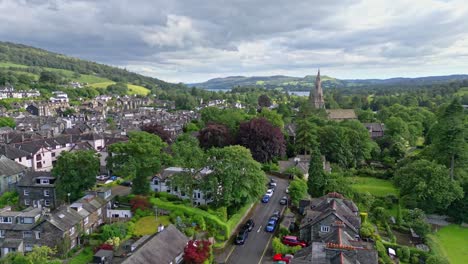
(297, 191)
(264, 101)
(229, 117)
(158, 130)
(75, 172)
(427, 185)
(138, 159)
(272, 116)
(306, 135)
(236, 177)
(215, 135)
(264, 140)
(317, 179)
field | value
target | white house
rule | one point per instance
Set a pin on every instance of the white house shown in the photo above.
(162, 183)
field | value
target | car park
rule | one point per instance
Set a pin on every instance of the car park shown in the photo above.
(265, 199)
(241, 237)
(284, 200)
(269, 192)
(293, 241)
(249, 225)
(271, 225)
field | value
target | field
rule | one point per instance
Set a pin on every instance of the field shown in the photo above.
(452, 242)
(134, 89)
(149, 225)
(374, 186)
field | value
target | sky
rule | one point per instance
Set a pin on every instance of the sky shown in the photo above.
(196, 40)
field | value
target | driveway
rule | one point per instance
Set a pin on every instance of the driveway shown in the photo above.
(256, 246)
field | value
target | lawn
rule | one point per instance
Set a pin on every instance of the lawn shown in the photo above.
(149, 225)
(85, 257)
(133, 89)
(9, 64)
(452, 242)
(374, 186)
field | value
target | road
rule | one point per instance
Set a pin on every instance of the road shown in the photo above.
(254, 249)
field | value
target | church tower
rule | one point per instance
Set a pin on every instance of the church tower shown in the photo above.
(316, 95)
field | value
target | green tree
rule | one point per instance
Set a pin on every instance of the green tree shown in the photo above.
(7, 122)
(236, 177)
(317, 179)
(75, 173)
(138, 159)
(119, 88)
(50, 77)
(428, 185)
(272, 116)
(39, 255)
(297, 191)
(306, 135)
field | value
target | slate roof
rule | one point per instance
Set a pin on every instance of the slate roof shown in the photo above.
(28, 179)
(164, 247)
(341, 114)
(9, 167)
(12, 152)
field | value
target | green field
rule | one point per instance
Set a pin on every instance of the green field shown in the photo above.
(134, 89)
(9, 64)
(374, 186)
(452, 242)
(149, 225)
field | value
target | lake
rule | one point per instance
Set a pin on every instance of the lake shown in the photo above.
(298, 93)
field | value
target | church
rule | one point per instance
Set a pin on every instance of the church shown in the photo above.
(317, 101)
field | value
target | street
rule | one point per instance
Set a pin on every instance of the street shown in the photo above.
(253, 251)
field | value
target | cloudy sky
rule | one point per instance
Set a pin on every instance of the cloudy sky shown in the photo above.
(195, 40)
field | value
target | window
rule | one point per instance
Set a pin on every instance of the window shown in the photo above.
(38, 234)
(26, 220)
(6, 219)
(27, 234)
(47, 202)
(2, 233)
(38, 157)
(46, 193)
(28, 247)
(53, 154)
(20, 159)
(324, 229)
(26, 201)
(45, 181)
(72, 231)
(156, 182)
(175, 189)
(99, 211)
(86, 220)
(39, 165)
(26, 192)
(198, 195)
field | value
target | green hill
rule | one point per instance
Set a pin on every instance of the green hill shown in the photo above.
(24, 60)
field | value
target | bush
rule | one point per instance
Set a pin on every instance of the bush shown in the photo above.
(140, 202)
(189, 231)
(405, 254)
(294, 171)
(283, 231)
(367, 230)
(436, 260)
(281, 248)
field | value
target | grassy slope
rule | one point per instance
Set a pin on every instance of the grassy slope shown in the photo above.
(374, 186)
(134, 89)
(452, 242)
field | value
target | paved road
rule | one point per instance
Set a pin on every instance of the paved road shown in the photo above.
(257, 243)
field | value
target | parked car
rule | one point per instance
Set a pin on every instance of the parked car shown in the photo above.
(287, 190)
(271, 225)
(126, 183)
(265, 199)
(269, 192)
(280, 259)
(293, 241)
(114, 178)
(284, 200)
(241, 237)
(276, 213)
(272, 180)
(108, 181)
(271, 186)
(102, 177)
(249, 225)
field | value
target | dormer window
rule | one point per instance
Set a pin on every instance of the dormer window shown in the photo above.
(6, 219)
(324, 229)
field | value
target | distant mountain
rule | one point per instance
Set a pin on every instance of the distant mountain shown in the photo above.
(305, 83)
(23, 58)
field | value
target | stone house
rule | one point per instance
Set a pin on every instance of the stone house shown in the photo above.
(37, 188)
(19, 156)
(10, 173)
(376, 130)
(162, 183)
(341, 114)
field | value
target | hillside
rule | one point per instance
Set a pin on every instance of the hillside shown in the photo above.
(305, 83)
(31, 61)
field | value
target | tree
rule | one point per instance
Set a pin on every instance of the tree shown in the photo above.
(264, 101)
(272, 116)
(317, 179)
(306, 135)
(39, 255)
(118, 89)
(334, 144)
(434, 259)
(215, 135)
(297, 191)
(197, 251)
(75, 172)
(158, 130)
(264, 140)
(50, 77)
(7, 122)
(236, 178)
(138, 159)
(229, 117)
(449, 138)
(428, 185)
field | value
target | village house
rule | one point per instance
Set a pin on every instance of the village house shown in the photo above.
(10, 173)
(301, 162)
(341, 114)
(10, 92)
(162, 183)
(37, 189)
(376, 130)
(331, 227)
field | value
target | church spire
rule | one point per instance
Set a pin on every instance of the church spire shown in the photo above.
(316, 96)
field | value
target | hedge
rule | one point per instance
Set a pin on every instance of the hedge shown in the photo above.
(222, 227)
(413, 251)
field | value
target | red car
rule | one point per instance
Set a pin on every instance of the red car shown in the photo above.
(282, 259)
(293, 241)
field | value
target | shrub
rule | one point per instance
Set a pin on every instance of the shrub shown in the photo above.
(436, 260)
(281, 248)
(283, 231)
(189, 231)
(383, 253)
(367, 230)
(405, 254)
(140, 202)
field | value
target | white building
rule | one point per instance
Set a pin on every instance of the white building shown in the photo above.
(59, 97)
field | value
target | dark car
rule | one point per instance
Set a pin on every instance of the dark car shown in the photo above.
(126, 183)
(293, 241)
(276, 213)
(265, 199)
(284, 200)
(241, 237)
(249, 225)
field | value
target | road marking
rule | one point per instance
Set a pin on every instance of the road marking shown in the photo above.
(264, 250)
(260, 228)
(232, 250)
